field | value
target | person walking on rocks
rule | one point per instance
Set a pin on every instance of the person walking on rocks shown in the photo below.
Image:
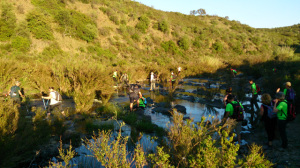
(281, 108)
(289, 92)
(253, 101)
(235, 110)
(15, 93)
(268, 117)
(55, 101)
(152, 81)
(115, 77)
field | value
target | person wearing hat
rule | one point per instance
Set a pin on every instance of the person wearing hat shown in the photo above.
(281, 110)
(152, 81)
(15, 93)
(288, 92)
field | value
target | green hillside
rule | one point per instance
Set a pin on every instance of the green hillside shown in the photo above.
(75, 45)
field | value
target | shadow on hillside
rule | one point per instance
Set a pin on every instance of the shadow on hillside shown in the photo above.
(269, 75)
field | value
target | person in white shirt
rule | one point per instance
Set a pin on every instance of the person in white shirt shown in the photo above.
(53, 101)
(152, 81)
(179, 70)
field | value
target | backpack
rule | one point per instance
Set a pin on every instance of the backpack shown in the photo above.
(270, 113)
(291, 112)
(145, 101)
(14, 91)
(238, 112)
(258, 90)
(290, 94)
(57, 96)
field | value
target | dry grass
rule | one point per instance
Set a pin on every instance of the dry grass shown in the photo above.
(21, 7)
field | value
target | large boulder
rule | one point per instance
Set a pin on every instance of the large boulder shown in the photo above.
(163, 110)
(180, 108)
(149, 100)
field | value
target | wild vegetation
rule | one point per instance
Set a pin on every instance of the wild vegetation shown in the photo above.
(75, 45)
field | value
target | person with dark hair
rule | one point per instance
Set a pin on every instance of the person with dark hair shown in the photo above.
(281, 110)
(134, 96)
(234, 110)
(55, 101)
(269, 117)
(228, 92)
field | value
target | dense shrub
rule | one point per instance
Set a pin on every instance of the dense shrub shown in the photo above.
(38, 24)
(77, 24)
(217, 46)
(170, 46)
(184, 43)
(136, 37)
(21, 43)
(163, 26)
(7, 22)
(143, 24)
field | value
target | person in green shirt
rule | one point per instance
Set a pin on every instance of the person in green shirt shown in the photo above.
(281, 108)
(229, 114)
(142, 101)
(253, 101)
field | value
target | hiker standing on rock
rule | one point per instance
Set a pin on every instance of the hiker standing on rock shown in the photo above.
(55, 101)
(179, 70)
(281, 109)
(152, 81)
(269, 117)
(253, 100)
(172, 80)
(235, 110)
(124, 78)
(115, 77)
(15, 93)
(234, 72)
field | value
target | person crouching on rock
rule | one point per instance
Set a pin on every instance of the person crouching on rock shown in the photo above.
(134, 95)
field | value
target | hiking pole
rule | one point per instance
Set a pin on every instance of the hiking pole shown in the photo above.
(44, 103)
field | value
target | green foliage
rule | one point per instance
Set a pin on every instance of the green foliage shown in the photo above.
(136, 37)
(256, 158)
(160, 159)
(21, 43)
(184, 43)
(143, 23)
(38, 24)
(76, 24)
(7, 22)
(170, 46)
(65, 155)
(9, 118)
(163, 26)
(217, 46)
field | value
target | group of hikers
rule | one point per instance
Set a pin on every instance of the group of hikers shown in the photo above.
(54, 97)
(274, 113)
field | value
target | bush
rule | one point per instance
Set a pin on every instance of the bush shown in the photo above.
(21, 43)
(115, 19)
(163, 26)
(38, 25)
(184, 43)
(217, 46)
(170, 46)
(143, 24)
(136, 37)
(7, 22)
(104, 31)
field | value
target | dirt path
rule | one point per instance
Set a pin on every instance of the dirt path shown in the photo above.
(281, 158)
